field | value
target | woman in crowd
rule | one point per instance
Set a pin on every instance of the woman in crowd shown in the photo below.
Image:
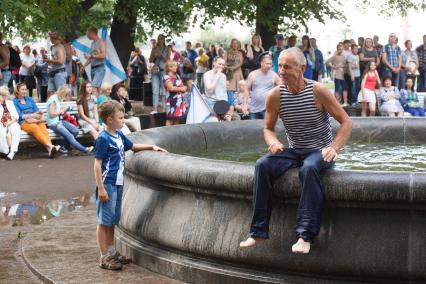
(105, 95)
(175, 104)
(137, 69)
(119, 94)
(233, 62)
(172, 54)
(309, 53)
(202, 62)
(31, 119)
(253, 51)
(61, 127)
(390, 97)
(88, 110)
(41, 75)
(367, 95)
(410, 63)
(15, 71)
(409, 99)
(26, 72)
(158, 57)
(368, 54)
(10, 131)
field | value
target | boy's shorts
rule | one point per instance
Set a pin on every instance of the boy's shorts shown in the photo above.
(340, 86)
(109, 213)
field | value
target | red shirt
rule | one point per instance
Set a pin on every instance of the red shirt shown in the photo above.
(370, 82)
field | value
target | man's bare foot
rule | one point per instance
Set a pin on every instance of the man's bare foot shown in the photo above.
(251, 242)
(301, 247)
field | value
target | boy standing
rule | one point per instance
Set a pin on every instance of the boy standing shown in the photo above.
(110, 147)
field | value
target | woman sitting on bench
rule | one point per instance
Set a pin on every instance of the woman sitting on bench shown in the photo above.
(61, 127)
(10, 131)
(31, 119)
(88, 110)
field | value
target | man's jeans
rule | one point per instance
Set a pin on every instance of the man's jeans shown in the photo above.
(6, 78)
(158, 91)
(257, 115)
(69, 132)
(271, 167)
(97, 73)
(59, 80)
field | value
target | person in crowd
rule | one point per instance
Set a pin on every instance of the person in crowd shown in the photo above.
(377, 46)
(41, 74)
(175, 104)
(211, 53)
(390, 97)
(138, 69)
(361, 42)
(186, 69)
(253, 51)
(96, 58)
(276, 50)
(109, 153)
(215, 83)
(410, 63)
(158, 57)
(239, 98)
(10, 130)
(31, 119)
(392, 59)
(258, 85)
(88, 110)
(355, 72)
(367, 95)
(172, 53)
(5, 74)
(14, 70)
(202, 62)
(318, 67)
(328, 68)
(337, 63)
(421, 53)
(291, 42)
(105, 95)
(57, 69)
(119, 94)
(220, 51)
(347, 53)
(69, 132)
(305, 107)
(309, 53)
(368, 54)
(26, 72)
(68, 58)
(233, 62)
(192, 53)
(409, 99)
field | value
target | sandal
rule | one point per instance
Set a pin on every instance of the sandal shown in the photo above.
(110, 263)
(121, 258)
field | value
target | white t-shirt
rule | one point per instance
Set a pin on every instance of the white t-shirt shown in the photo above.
(220, 89)
(27, 60)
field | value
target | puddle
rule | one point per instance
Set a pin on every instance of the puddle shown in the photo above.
(37, 212)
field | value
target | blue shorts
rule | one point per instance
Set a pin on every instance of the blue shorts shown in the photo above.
(340, 86)
(98, 74)
(109, 213)
(57, 81)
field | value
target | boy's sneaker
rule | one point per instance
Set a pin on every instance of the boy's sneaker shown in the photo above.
(121, 258)
(110, 263)
(63, 150)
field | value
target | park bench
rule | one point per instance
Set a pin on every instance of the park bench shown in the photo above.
(422, 98)
(25, 137)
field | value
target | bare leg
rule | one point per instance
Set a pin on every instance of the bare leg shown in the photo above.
(363, 109)
(372, 109)
(94, 134)
(301, 247)
(102, 237)
(345, 97)
(251, 242)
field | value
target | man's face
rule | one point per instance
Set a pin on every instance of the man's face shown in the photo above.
(266, 63)
(292, 41)
(220, 64)
(339, 49)
(279, 41)
(392, 38)
(289, 71)
(188, 45)
(313, 43)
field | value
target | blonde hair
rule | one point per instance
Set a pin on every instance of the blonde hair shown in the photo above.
(4, 91)
(169, 65)
(63, 91)
(105, 86)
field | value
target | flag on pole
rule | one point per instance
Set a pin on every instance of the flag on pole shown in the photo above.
(199, 111)
(114, 71)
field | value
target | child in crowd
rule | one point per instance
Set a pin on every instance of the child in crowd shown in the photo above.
(238, 97)
(367, 95)
(337, 63)
(110, 147)
(355, 72)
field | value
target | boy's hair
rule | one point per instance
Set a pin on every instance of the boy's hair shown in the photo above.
(108, 109)
(354, 46)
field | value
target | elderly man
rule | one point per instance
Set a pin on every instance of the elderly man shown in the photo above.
(304, 107)
(392, 60)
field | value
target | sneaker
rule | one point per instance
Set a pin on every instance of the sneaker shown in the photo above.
(63, 150)
(344, 105)
(121, 258)
(53, 152)
(153, 112)
(89, 149)
(109, 262)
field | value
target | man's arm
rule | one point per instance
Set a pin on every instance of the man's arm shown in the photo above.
(271, 117)
(246, 92)
(211, 85)
(328, 102)
(385, 60)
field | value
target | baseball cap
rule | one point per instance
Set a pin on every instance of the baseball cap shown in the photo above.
(279, 37)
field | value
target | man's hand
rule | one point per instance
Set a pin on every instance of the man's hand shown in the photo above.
(245, 110)
(103, 195)
(158, 149)
(276, 148)
(329, 154)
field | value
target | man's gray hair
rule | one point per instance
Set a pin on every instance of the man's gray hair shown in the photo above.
(296, 53)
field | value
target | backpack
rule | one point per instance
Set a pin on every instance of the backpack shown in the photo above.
(14, 59)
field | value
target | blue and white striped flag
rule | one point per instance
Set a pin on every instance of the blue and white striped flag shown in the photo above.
(199, 111)
(114, 72)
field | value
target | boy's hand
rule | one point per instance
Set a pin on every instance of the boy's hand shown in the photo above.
(103, 195)
(158, 149)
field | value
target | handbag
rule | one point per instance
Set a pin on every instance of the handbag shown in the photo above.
(35, 119)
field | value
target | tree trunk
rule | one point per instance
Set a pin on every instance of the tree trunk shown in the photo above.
(123, 30)
(267, 20)
(72, 34)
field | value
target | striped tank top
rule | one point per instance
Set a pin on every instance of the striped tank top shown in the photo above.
(306, 126)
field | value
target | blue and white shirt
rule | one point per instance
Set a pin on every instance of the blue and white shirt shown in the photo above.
(110, 149)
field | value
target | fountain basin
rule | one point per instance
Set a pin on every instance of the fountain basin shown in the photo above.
(184, 216)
